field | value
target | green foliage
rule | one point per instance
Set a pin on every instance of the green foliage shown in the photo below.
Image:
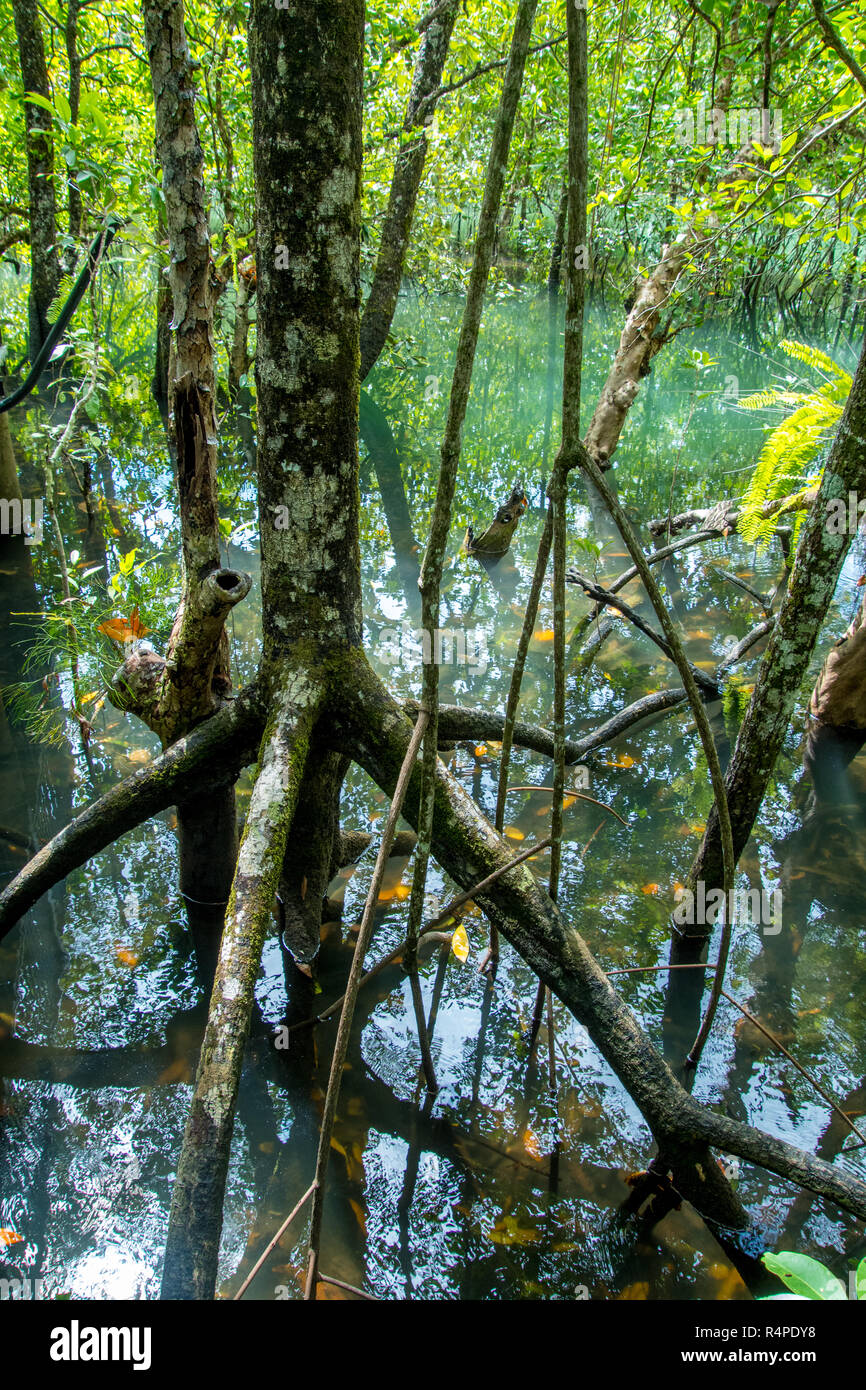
(810, 1279)
(786, 462)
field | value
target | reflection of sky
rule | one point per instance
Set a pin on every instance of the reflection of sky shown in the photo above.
(481, 1223)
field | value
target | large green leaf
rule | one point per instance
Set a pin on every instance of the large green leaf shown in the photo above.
(804, 1276)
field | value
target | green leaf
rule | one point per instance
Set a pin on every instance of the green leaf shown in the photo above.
(860, 1281)
(804, 1276)
(36, 100)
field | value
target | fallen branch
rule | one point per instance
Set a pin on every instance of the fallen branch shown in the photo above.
(604, 596)
(372, 728)
(745, 644)
(211, 756)
(627, 575)
(473, 723)
(723, 518)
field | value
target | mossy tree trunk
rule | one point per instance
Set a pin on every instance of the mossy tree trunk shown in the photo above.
(45, 268)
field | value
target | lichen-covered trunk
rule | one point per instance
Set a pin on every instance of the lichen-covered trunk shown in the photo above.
(306, 65)
(185, 691)
(45, 268)
(306, 68)
(239, 360)
(640, 340)
(405, 184)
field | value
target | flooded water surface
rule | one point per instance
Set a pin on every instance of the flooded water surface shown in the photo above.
(513, 1182)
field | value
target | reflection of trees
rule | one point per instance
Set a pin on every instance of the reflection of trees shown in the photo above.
(36, 796)
(379, 439)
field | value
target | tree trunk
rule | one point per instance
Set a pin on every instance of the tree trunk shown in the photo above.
(816, 570)
(406, 181)
(836, 725)
(45, 269)
(554, 273)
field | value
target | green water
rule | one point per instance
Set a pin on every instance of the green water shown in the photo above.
(450, 1199)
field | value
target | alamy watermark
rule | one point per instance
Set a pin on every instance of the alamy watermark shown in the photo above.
(19, 518)
(23, 1290)
(717, 127)
(753, 905)
(845, 516)
(406, 646)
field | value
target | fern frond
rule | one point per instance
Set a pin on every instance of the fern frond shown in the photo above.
(789, 450)
(774, 395)
(814, 357)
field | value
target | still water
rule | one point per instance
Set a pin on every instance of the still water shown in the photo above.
(100, 1010)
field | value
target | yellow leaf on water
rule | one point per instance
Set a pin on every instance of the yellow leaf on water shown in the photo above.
(512, 833)
(544, 634)
(460, 943)
(635, 1291)
(651, 889)
(140, 755)
(480, 750)
(403, 891)
(8, 1237)
(530, 1144)
(625, 761)
(128, 958)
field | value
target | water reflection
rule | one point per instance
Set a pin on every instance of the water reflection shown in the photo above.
(100, 1007)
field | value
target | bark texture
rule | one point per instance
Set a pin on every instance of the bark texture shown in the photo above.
(306, 72)
(173, 694)
(45, 268)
